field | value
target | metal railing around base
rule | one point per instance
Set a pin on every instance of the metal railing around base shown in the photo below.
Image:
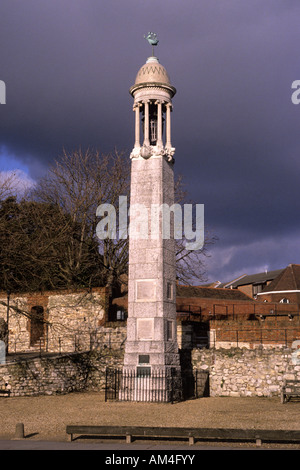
(160, 385)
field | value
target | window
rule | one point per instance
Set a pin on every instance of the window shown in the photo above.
(36, 324)
(258, 288)
(153, 130)
(170, 330)
(153, 123)
(169, 291)
(284, 301)
(120, 315)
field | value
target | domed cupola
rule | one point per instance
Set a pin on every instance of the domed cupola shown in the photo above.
(152, 93)
(152, 73)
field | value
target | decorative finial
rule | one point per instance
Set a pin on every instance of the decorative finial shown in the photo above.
(152, 39)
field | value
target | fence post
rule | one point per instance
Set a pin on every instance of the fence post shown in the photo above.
(105, 389)
(115, 384)
(196, 383)
(47, 339)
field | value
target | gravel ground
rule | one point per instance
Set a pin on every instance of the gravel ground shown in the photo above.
(46, 417)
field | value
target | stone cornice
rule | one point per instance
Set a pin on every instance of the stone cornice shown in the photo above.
(149, 85)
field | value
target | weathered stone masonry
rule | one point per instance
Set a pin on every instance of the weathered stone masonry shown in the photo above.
(247, 372)
(232, 372)
(75, 372)
(65, 316)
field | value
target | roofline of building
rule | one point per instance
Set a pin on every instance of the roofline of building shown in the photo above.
(234, 280)
(278, 292)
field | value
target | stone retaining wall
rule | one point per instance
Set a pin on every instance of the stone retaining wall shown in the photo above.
(232, 372)
(58, 374)
(243, 372)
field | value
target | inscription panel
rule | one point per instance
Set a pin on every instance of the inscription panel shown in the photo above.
(145, 290)
(145, 329)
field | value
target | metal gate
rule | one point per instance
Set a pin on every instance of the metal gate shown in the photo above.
(154, 386)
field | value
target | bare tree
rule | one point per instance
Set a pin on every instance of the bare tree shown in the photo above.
(78, 183)
(36, 244)
(9, 184)
(48, 240)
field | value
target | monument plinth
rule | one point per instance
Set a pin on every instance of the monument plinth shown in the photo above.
(151, 347)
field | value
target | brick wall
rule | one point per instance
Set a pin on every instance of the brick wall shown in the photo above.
(269, 332)
(247, 289)
(293, 297)
(220, 308)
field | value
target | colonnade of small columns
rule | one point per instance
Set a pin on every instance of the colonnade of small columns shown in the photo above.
(144, 106)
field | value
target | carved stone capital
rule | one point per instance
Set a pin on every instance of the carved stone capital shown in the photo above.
(136, 106)
(169, 152)
(135, 152)
(158, 150)
(147, 151)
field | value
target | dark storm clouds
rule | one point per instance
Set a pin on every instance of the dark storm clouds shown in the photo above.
(68, 66)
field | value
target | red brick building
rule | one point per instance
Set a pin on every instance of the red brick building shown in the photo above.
(253, 284)
(220, 317)
(285, 288)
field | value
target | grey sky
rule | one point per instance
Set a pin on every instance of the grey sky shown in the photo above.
(68, 66)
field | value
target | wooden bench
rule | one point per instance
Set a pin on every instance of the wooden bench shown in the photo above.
(4, 392)
(209, 434)
(290, 388)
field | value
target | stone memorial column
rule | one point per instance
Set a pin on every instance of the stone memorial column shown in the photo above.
(151, 350)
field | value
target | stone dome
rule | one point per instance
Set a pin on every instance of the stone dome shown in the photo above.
(152, 73)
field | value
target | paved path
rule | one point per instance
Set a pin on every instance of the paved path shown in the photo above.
(27, 444)
(51, 445)
(45, 419)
